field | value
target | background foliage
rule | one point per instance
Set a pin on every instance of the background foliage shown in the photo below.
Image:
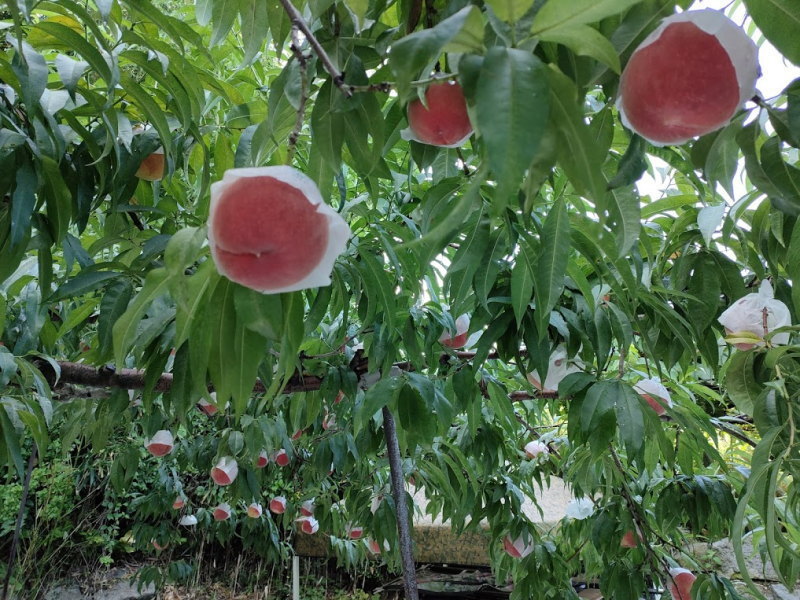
(535, 228)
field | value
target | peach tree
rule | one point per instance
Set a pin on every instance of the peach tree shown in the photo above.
(476, 158)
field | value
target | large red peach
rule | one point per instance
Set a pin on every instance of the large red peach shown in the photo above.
(443, 119)
(307, 508)
(308, 525)
(680, 583)
(655, 394)
(278, 505)
(161, 443)
(459, 340)
(152, 167)
(280, 458)
(270, 230)
(687, 78)
(222, 512)
(516, 548)
(225, 471)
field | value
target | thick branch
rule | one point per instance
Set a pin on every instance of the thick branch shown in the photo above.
(399, 493)
(297, 21)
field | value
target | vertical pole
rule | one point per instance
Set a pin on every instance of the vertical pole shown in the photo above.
(295, 577)
(399, 493)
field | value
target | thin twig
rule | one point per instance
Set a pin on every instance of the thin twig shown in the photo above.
(297, 21)
(399, 493)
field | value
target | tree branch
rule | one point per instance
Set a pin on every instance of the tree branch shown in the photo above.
(399, 493)
(297, 21)
(301, 108)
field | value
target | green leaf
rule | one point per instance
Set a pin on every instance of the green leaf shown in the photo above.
(564, 14)
(630, 419)
(253, 14)
(413, 56)
(383, 393)
(70, 71)
(510, 11)
(779, 20)
(741, 383)
(466, 262)
(632, 165)
(551, 266)
(512, 109)
(597, 414)
(585, 41)
(86, 281)
(23, 202)
(522, 280)
(112, 307)
(124, 331)
(723, 156)
(578, 152)
(785, 177)
(183, 249)
(79, 44)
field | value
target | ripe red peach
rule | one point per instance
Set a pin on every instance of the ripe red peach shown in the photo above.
(225, 471)
(161, 443)
(680, 583)
(307, 508)
(262, 460)
(270, 230)
(629, 539)
(687, 78)
(444, 121)
(178, 503)
(459, 340)
(152, 167)
(655, 394)
(308, 525)
(254, 510)
(277, 505)
(516, 548)
(281, 458)
(222, 512)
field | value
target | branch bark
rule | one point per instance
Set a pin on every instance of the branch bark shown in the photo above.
(299, 22)
(403, 518)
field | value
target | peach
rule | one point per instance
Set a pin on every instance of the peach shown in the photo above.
(178, 503)
(152, 167)
(680, 583)
(225, 471)
(516, 548)
(270, 230)
(188, 521)
(308, 525)
(558, 368)
(161, 443)
(280, 458)
(328, 421)
(443, 119)
(254, 510)
(687, 78)
(746, 316)
(307, 508)
(158, 546)
(207, 407)
(459, 340)
(339, 397)
(278, 505)
(262, 460)
(222, 512)
(629, 539)
(297, 435)
(355, 532)
(535, 448)
(655, 394)
(375, 548)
